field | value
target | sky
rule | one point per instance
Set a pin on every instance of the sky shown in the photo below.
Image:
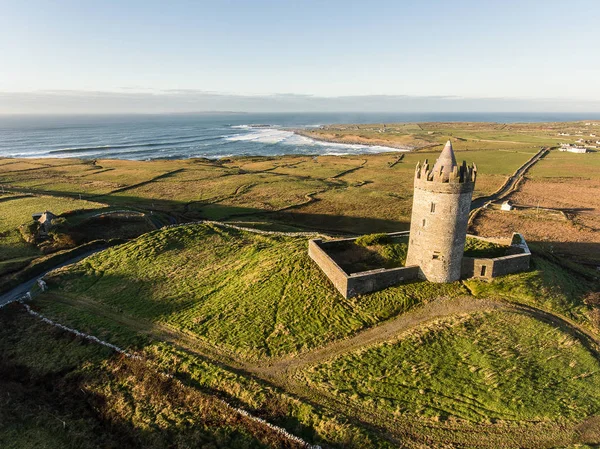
(84, 55)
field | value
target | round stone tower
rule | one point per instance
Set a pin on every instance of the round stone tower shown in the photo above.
(440, 214)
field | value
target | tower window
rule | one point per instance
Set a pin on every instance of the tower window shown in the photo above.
(424, 221)
(483, 270)
(436, 255)
(432, 208)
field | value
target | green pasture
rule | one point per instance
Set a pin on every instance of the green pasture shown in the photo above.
(255, 295)
(493, 366)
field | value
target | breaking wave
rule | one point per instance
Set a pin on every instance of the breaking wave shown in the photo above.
(279, 136)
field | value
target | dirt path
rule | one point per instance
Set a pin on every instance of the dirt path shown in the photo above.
(510, 184)
(273, 368)
(401, 431)
(389, 330)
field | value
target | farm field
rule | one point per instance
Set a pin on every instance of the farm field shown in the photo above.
(558, 207)
(235, 310)
(16, 210)
(514, 136)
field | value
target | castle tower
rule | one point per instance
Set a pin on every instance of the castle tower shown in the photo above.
(440, 214)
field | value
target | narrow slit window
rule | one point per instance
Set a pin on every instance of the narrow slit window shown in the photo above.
(432, 208)
(483, 270)
(424, 221)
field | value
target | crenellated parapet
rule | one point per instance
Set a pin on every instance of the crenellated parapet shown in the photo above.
(452, 174)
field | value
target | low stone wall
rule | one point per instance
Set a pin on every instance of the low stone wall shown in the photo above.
(331, 269)
(115, 348)
(517, 260)
(374, 280)
(357, 283)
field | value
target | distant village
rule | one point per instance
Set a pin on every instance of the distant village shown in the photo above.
(581, 145)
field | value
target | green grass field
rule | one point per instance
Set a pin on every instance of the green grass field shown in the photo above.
(472, 369)
(17, 210)
(255, 295)
(59, 391)
(568, 165)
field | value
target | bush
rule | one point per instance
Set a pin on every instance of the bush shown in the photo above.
(29, 231)
(373, 239)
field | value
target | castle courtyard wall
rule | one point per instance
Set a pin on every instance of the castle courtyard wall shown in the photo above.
(518, 259)
(374, 280)
(357, 283)
(332, 270)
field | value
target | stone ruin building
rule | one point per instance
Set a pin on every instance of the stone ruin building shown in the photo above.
(437, 236)
(45, 220)
(440, 216)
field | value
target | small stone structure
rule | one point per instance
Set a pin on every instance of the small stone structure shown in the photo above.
(438, 231)
(517, 259)
(45, 221)
(350, 285)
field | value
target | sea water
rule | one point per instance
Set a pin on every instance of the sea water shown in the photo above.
(209, 135)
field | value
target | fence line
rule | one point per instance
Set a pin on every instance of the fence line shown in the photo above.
(92, 338)
(243, 228)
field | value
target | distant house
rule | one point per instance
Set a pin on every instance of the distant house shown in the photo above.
(507, 205)
(573, 149)
(45, 221)
(564, 134)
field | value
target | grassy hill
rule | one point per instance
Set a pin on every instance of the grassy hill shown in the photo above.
(493, 366)
(257, 295)
(523, 363)
(60, 392)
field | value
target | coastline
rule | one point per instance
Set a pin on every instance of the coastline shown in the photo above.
(357, 140)
(214, 139)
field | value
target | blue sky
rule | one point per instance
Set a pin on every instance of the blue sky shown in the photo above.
(474, 49)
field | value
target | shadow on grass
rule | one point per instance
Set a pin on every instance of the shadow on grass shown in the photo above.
(61, 391)
(182, 212)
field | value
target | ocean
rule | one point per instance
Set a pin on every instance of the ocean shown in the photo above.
(209, 135)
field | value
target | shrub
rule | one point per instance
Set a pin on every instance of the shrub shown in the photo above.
(29, 231)
(373, 239)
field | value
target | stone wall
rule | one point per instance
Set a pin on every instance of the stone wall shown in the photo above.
(331, 269)
(374, 280)
(357, 283)
(517, 260)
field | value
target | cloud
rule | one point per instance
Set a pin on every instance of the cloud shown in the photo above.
(134, 100)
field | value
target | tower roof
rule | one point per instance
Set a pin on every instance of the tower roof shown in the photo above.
(445, 162)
